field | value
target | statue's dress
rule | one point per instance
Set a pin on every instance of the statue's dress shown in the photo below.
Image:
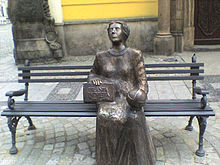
(122, 136)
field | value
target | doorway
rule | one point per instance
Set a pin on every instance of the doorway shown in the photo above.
(207, 22)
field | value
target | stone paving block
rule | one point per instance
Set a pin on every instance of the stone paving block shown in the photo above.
(38, 138)
(34, 155)
(82, 139)
(64, 91)
(78, 157)
(65, 161)
(200, 160)
(91, 142)
(215, 85)
(89, 161)
(20, 145)
(80, 95)
(86, 152)
(213, 161)
(169, 134)
(153, 93)
(50, 141)
(6, 162)
(52, 162)
(180, 90)
(60, 145)
(68, 125)
(58, 151)
(160, 163)
(177, 140)
(50, 131)
(83, 146)
(72, 137)
(23, 155)
(39, 145)
(60, 133)
(170, 151)
(165, 90)
(160, 154)
(70, 149)
(43, 159)
(48, 147)
(60, 139)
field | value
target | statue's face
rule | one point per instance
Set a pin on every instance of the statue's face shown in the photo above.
(115, 32)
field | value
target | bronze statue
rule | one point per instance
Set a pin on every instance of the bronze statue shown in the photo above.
(122, 136)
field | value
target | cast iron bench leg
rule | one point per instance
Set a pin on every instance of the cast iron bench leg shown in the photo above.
(31, 125)
(189, 127)
(12, 125)
(202, 126)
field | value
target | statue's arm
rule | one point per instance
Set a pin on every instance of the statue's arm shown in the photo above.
(141, 75)
(136, 98)
(94, 75)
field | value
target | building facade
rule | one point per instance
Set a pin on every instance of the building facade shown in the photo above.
(159, 26)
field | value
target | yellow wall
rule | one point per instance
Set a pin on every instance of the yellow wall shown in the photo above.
(56, 10)
(104, 9)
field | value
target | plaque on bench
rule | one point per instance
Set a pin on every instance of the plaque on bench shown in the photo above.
(101, 93)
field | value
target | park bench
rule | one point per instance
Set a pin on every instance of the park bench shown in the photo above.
(155, 72)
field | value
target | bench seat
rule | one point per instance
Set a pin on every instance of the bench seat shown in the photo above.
(80, 109)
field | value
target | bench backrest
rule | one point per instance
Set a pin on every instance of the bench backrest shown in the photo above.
(155, 72)
(174, 71)
(33, 74)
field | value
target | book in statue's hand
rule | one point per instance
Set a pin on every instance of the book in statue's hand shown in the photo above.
(104, 92)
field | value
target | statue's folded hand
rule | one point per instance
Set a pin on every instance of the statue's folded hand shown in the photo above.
(97, 82)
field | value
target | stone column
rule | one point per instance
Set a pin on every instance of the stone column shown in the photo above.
(176, 26)
(164, 42)
(189, 28)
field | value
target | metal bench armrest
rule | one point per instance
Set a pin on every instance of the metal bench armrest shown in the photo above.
(202, 92)
(16, 93)
(10, 94)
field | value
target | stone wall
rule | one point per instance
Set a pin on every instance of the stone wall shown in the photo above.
(87, 39)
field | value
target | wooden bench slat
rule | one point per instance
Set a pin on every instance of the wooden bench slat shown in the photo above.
(51, 114)
(151, 106)
(83, 108)
(39, 108)
(51, 102)
(89, 66)
(52, 80)
(26, 68)
(174, 65)
(172, 101)
(54, 74)
(87, 73)
(190, 113)
(175, 71)
(164, 78)
(94, 114)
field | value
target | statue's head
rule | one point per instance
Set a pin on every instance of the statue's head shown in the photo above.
(118, 31)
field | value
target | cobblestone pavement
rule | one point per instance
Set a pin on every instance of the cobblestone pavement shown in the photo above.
(71, 141)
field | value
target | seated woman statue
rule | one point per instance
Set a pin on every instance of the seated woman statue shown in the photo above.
(122, 135)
